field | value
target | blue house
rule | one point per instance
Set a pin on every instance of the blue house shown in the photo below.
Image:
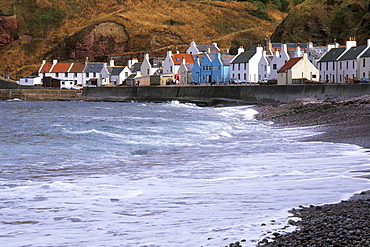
(206, 70)
(212, 68)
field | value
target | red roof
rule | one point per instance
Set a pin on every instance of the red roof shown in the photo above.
(177, 58)
(46, 67)
(77, 68)
(61, 67)
(290, 63)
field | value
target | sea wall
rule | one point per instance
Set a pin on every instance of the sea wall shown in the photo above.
(232, 94)
(38, 94)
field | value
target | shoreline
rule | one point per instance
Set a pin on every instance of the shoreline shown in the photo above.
(340, 120)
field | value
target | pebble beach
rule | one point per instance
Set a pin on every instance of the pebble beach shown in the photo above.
(339, 120)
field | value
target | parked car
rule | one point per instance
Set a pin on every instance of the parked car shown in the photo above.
(235, 81)
(365, 80)
(264, 81)
(272, 81)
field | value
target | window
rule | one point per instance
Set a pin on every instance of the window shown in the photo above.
(75, 74)
(333, 65)
(233, 67)
(245, 76)
(313, 76)
(94, 74)
(170, 68)
(238, 66)
(274, 66)
(245, 66)
(56, 74)
(87, 74)
(363, 62)
(347, 64)
(340, 65)
(319, 66)
(66, 75)
(148, 71)
(353, 64)
(327, 66)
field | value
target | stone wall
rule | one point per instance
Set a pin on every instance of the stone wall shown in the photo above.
(234, 94)
(38, 94)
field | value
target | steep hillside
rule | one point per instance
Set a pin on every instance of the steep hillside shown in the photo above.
(324, 21)
(70, 30)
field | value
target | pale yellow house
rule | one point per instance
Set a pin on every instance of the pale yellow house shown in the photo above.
(297, 71)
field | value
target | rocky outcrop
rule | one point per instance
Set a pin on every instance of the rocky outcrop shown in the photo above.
(7, 25)
(98, 40)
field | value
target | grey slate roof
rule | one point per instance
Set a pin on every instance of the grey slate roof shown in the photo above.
(94, 67)
(226, 59)
(115, 70)
(352, 53)
(367, 53)
(332, 54)
(244, 57)
(136, 67)
(203, 48)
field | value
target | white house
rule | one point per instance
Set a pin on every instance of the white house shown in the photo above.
(263, 68)
(173, 62)
(30, 81)
(279, 59)
(297, 70)
(69, 74)
(348, 70)
(184, 72)
(96, 74)
(118, 74)
(364, 64)
(328, 64)
(245, 66)
(195, 49)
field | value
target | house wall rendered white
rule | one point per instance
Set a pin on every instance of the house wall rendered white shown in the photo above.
(192, 49)
(168, 64)
(146, 67)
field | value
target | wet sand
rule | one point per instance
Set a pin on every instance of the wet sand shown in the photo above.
(341, 120)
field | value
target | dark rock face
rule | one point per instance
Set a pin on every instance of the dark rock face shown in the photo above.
(94, 41)
(7, 25)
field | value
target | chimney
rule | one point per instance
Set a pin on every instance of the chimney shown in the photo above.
(169, 53)
(146, 57)
(351, 42)
(259, 48)
(111, 62)
(55, 61)
(208, 50)
(215, 45)
(86, 60)
(227, 50)
(240, 49)
(368, 43)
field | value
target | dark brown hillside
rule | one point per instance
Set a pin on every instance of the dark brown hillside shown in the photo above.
(324, 21)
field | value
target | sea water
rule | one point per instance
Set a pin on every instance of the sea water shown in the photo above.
(159, 174)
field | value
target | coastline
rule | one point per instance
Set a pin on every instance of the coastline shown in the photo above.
(339, 120)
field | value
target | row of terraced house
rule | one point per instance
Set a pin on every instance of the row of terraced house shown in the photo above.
(282, 63)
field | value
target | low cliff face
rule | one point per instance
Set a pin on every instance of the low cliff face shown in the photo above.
(324, 21)
(7, 25)
(104, 39)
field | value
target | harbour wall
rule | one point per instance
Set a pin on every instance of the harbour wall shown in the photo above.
(231, 94)
(38, 94)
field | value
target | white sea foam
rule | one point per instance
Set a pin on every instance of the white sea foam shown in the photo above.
(133, 174)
